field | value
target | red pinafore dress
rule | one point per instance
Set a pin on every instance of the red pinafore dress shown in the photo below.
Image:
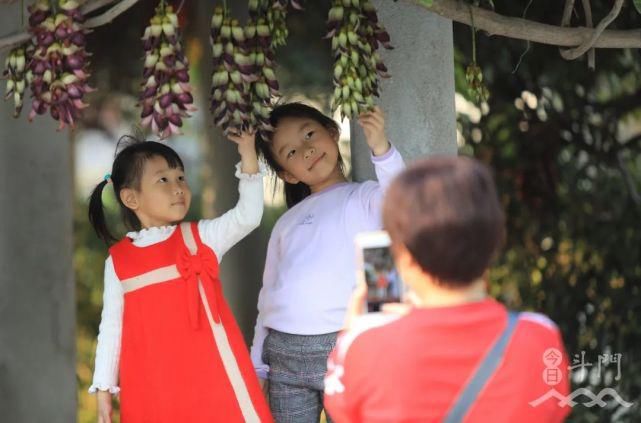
(183, 358)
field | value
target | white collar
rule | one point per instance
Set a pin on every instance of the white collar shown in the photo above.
(153, 234)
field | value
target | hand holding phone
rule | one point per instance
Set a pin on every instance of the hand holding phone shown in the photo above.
(375, 267)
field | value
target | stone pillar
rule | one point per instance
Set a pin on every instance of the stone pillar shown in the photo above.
(418, 99)
(37, 302)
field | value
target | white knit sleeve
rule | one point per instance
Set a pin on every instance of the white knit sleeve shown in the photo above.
(222, 233)
(105, 377)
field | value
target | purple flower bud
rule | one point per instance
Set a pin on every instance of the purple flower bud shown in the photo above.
(45, 39)
(382, 36)
(147, 44)
(176, 120)
(147, 110)
(182, 75)
(39, 67)
(170, 61)
(371, 16)
(273, 84)
(37, 18)
(61, 32)
(78, 38)
(149, 91)
(74, 91)
(162, 123)
(165, 101)
(185, 98)
(74, 61)
(77, 16)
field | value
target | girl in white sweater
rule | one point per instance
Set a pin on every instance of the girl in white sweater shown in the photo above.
(309, 272)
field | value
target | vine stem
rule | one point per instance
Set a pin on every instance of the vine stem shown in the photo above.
(473, 35)
(180, 7)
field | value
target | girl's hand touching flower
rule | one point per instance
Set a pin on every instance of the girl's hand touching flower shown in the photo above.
(373, 124)
(246, 141)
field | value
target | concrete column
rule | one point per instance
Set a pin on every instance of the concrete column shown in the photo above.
(419, 98)
(37, 302)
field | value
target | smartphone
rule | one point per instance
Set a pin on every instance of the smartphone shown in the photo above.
(375, 267)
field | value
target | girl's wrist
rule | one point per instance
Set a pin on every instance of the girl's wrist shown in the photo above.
(382, 148)
(248, 162)
(247, 151)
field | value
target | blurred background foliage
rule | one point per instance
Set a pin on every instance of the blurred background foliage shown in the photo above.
(563, 142)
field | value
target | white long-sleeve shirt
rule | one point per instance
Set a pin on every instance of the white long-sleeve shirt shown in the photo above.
(310, 270)
(219, 234)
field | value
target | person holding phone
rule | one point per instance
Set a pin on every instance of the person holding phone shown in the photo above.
(456, 354)
(375, 269)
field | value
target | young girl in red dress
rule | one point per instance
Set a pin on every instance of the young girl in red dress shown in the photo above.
(168, 342)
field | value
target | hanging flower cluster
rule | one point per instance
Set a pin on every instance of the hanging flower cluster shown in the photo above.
(356, 35)
(276, 14)
(54, 64)
(476, 87)
(16, 73)
(57, 73)
(243, 81)
(262, 44)
(232, 70)
(165, 96)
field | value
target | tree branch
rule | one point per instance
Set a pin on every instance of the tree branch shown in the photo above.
(110, 14)
(565, 21)
(20, 37)
(524, 29)
(587, 9)
(579, 51)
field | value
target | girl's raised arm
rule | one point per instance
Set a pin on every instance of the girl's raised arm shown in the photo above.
(368, 198)
(224, 232)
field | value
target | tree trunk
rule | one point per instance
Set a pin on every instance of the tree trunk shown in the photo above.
(37, 302)
(418, 99)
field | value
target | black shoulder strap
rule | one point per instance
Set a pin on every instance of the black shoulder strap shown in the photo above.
(487, 368)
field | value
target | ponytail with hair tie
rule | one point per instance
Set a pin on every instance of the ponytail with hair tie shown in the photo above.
(97, 212)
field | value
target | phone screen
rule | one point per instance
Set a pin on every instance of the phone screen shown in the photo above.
(383, 281)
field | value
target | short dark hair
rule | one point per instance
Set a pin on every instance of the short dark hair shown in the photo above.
(126, 173)
(294, 193)
(446, 212)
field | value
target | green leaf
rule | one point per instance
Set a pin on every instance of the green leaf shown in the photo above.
(637, 5)
(426, 3)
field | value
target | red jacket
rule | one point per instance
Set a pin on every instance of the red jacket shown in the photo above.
(412, 368)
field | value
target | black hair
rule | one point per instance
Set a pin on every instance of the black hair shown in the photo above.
(294, 193)
(127, 173)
